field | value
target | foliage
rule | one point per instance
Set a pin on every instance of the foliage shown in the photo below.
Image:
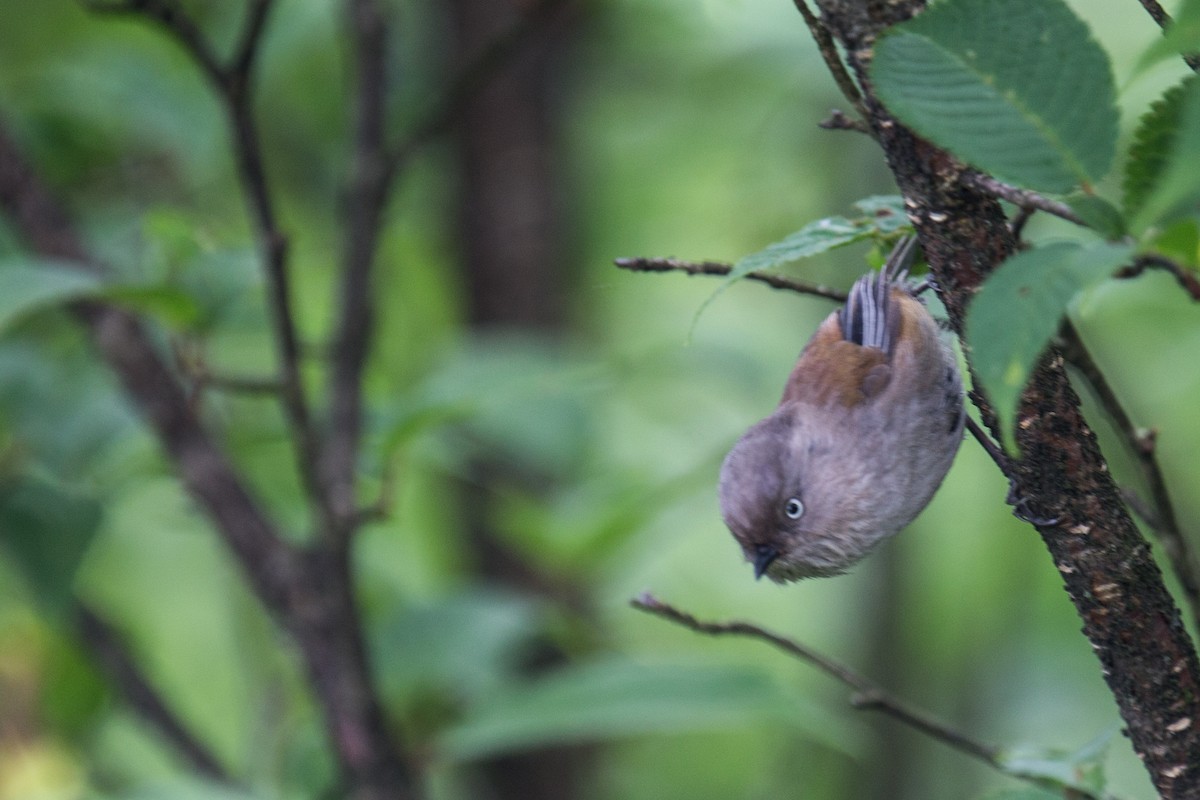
(1020, 89)
(1017, 87)
(606, 441)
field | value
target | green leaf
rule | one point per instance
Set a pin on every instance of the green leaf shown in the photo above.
(1018, 309)
(30, 285)
(1161, 180)
(170, 305)
(191, 789)
(881, 215)
(1098, 214)
(1028, 793)
(460, 645)
(1156, 130)
(1017, 88)
(614, 698)
(1082, 769)
(47, 530)
(1179, 241)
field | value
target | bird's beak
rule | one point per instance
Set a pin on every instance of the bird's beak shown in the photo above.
(764, 554)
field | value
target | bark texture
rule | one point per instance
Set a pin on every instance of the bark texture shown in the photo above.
(1128, 616)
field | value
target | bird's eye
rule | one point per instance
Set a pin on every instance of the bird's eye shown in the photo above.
(793, 508)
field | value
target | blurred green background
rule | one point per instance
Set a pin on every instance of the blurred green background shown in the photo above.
(552, 457)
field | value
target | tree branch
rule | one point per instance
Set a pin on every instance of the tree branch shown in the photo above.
(1187, 279)
(1163, 19)
(233, 83)
(110, 652)
(718, 268)
(1021, 198)
(868, 695)
(308, 593)
(1128, 616)
(1161, 516)
(833, 61)
(365, 203)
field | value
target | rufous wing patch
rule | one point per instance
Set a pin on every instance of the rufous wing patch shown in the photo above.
(833, 370)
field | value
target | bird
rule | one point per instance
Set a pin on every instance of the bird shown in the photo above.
(870, 420)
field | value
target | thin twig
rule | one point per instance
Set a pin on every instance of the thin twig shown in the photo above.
(233, 84)
(1017, 223)
(838, 121)
(470, 80)
(1157, 13)
(106, 646)
(1187, 279)
(1022, 198)
(1163, 20)
(869, 695)
(718, 268)
(1141, 444)
(247, 49)
(175, 22)
(833, 61)
(366, 198)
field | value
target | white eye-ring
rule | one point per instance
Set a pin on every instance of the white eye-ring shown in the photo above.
(793, 508)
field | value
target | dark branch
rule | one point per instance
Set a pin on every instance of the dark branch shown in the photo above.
(110, 652)
(1161, 515)
(867, 694)
(1187, 279)
(833, 61)
(365, 203)
(247, 50)
(233, 85)
(308, 592)
(1022, 198)
(1157, 13)
(718, 268)
(176, 23)
(1129, 618)
(1163, 20)
(838, 121)
(128, 348)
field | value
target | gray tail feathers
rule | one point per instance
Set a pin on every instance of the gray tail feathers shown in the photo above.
(868, 318)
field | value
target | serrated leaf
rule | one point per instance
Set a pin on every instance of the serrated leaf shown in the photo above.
(1018, 88)
(1098, 214)
(1156, 130)
(607, 699)
(1018, 309)
(1167, 159)
(882, 214)
(816, 237)
(28, 285)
